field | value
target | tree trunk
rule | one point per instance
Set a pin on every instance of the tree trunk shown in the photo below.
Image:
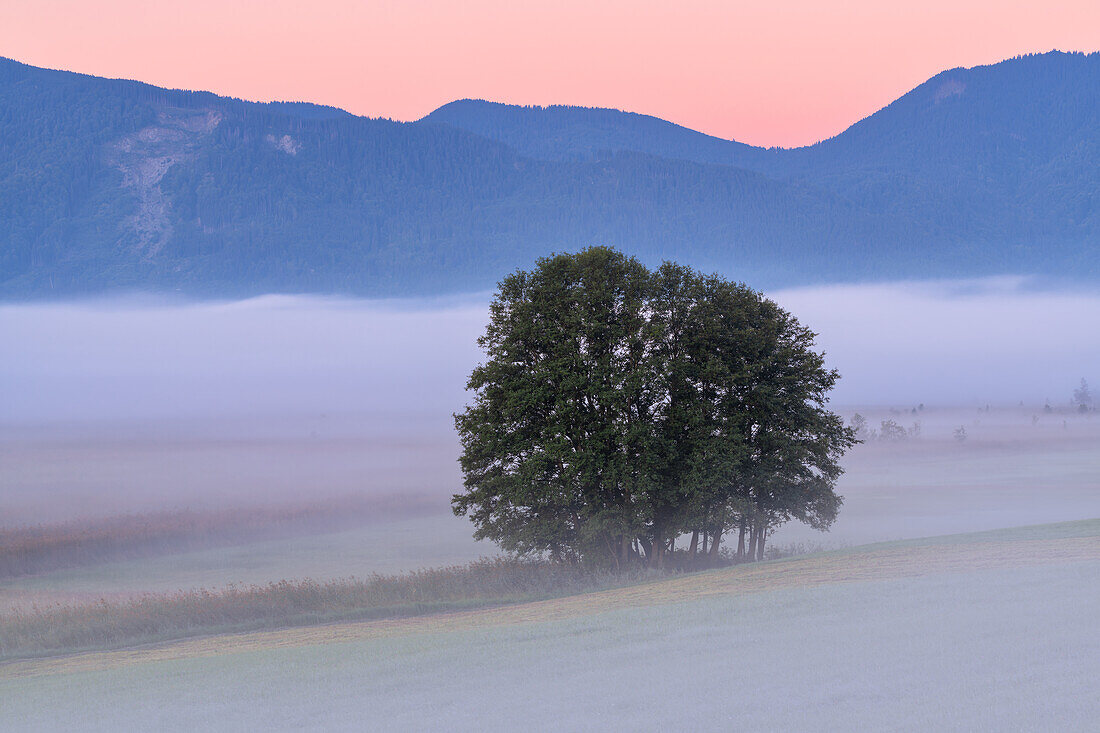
(612, 549)
(693, 549)
(656, 559)
(741, 541)
(714, 544)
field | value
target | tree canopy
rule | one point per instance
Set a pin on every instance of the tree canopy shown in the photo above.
(620, 409)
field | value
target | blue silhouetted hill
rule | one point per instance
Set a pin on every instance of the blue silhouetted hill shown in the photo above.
(117, 185)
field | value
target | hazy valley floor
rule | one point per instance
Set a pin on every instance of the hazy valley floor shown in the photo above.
(990, 631)
(1010, 472)
(993, 631)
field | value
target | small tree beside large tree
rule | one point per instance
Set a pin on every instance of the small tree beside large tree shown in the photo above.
(620, 410)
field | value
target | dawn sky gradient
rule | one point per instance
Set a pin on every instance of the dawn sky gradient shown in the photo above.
(786, 72)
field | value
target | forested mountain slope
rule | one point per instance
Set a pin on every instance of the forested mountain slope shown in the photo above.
(116, 185)
(1002, 160)
(584, 133)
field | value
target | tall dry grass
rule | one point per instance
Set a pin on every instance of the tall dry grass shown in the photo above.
(105, 625)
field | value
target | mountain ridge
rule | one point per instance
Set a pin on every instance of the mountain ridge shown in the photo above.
(115, 184)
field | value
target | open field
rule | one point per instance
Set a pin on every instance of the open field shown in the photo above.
(105, 625)
(991, 631)
(81, 543)
(56, 471)
(988, 631)
(1017, 466)
(1009, 472)
(66, 629)
(396, 545)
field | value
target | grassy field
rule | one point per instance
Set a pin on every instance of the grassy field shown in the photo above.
(66, 629)
(63, 630)
(1009, 472)
(989, 631)
(992, 630)
(384, 547)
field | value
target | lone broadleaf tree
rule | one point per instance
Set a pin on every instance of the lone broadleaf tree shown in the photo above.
(621, 409)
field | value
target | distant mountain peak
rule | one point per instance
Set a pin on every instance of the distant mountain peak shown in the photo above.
(108, 184)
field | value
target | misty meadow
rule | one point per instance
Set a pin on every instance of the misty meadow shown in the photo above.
(155, 454)
(521, 417)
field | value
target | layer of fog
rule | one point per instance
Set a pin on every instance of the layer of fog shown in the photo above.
(961, 343)
(129, 405)
(974, 342)
(275, 356)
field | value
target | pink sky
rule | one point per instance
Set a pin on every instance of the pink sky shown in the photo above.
(778, 72)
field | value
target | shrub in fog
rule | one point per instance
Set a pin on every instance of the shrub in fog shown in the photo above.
(860, 429)
(890, 431)
(793, 549)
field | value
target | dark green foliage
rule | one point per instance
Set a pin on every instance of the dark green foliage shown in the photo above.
(558, 398)
(108, 185)
(620, 408)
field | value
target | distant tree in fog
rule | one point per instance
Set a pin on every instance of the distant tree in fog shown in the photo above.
(860, 429)
(620, 409)
(1082, 396)
(891, 431)
(960, 433)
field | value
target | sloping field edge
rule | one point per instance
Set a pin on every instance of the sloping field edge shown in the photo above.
(877, 562)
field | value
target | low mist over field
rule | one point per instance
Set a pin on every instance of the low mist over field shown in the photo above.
(947, 343)
(953, 342)
(759, 438)
(275, 355)
(138, 405)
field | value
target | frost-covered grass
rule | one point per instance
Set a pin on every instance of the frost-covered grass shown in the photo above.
(1005, 649)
